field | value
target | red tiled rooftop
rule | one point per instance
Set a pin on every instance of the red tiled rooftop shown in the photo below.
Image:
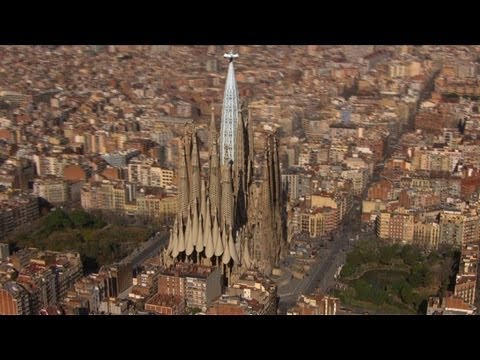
(456, 303)
(164, 300)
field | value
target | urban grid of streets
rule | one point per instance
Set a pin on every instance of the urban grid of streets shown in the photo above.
(321, 276)
(332, 255)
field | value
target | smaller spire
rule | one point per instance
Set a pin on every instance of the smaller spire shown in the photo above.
(217, 238)
(226, 251)
(188, 234)
(213, 130)
(196, 226)
(209, 244)
(179, 245)
(246, 254)
(170, 242)
(232, 248)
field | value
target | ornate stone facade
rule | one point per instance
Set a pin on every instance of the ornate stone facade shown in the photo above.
(227, 216)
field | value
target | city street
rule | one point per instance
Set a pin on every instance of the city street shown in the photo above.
(147, 250)
(321, 274)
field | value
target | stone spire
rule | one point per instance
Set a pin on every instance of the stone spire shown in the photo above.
(276, 172)
(175, 243)
(213, 129)
(232, 248)
(228, 125)
(217, 237)
(227, 196)
(239, 164)
(187, 138)
(200, 244)
(250, 131)
(214, 190)
(188, 234)
(195, 163)
(195, 225)
(250, 147)
(181, 239)
(208, 236)
(183, 183)
(246, 255)
(266, 182)
(271, 166)
(173, 237)
(226, 245)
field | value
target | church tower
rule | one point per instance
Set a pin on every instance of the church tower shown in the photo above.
(227, 217)
(230, 109)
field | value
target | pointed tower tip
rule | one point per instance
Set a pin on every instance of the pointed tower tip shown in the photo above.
(228, 125)
(230, 56)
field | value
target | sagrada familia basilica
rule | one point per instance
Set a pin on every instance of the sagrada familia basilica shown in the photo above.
(229, 217)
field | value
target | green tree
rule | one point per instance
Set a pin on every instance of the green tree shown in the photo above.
(433, 257)
(410, 255)
(370, 257)
(427, 276)
(81, 219)
(378, 296)
(363, 290)
(407, 295)
(347, 270)
(420, 275)
(398, 285)
(367, 246)
(387, 253)
(354, 259)
(415, 278)
(57, 219)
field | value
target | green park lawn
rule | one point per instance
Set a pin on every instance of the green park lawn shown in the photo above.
(394, 279)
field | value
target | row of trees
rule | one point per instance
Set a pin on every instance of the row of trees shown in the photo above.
(59, 219)
(377, 253)
(398, 293)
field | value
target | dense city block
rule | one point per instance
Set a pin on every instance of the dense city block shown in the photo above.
(239, 180)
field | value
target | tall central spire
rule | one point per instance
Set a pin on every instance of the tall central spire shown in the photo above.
(228, 126)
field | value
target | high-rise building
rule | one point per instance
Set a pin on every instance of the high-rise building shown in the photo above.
(14, 299)
(118, 278)
(229, 217)
(198, 285)
(53, 189)
(42, 278)
(16, 211)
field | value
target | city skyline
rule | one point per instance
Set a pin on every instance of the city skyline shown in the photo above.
(244, 179)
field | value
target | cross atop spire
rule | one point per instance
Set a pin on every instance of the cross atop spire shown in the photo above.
(230, 56)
